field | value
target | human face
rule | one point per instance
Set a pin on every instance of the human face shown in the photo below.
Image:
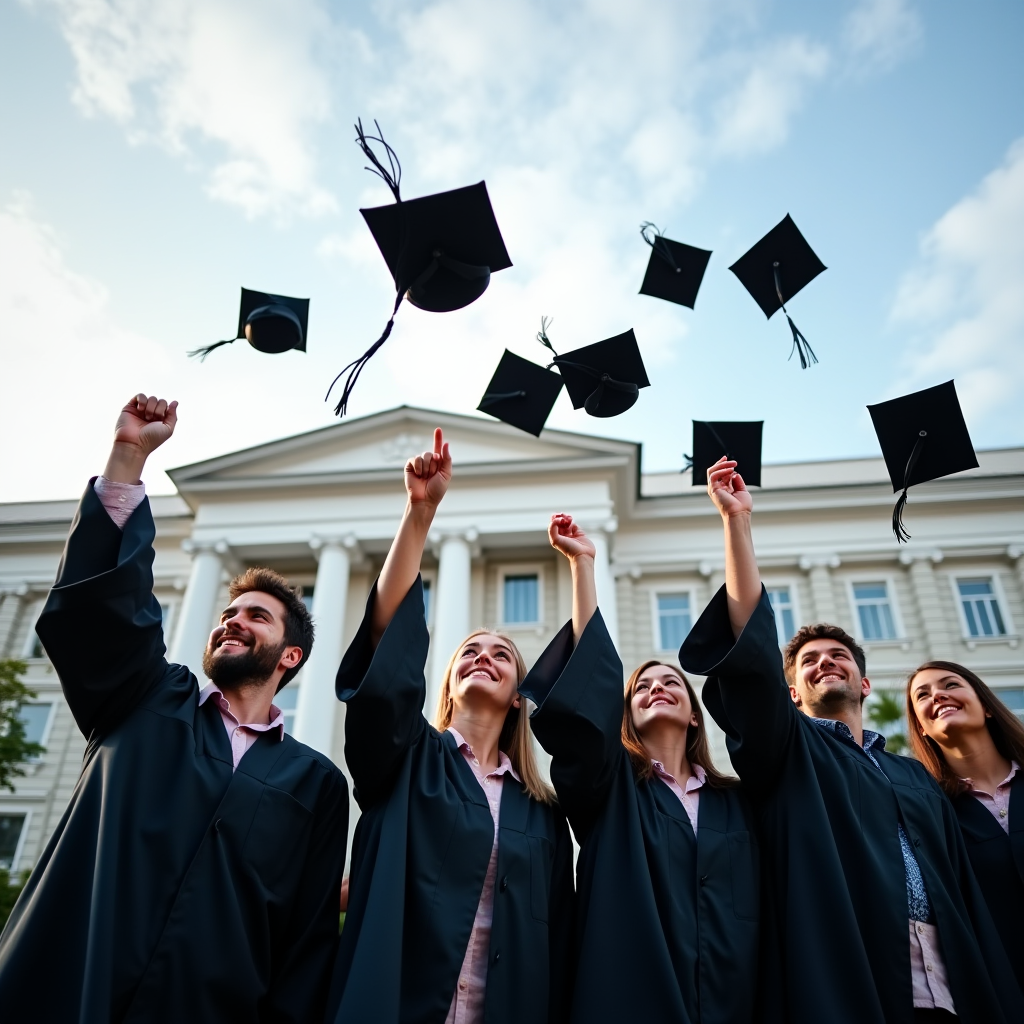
(485, 671)
(660, 699)
(946, 705)
(248, 644)
(827, 678)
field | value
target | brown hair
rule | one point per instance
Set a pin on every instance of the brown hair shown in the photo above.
(298, 623)
(698, 750)
(1004, 727)
(820, 631)
(516, 739)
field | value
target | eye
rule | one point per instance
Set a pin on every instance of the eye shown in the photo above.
(641, 686)
(952, 685)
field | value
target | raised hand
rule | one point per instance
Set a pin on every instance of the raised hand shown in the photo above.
(727, 489)
(427, 476)
(567, 537)
(144, 424)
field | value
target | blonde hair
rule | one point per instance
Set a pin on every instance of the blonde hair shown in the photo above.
(516, 739)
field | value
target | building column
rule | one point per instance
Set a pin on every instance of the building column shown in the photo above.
(198, 606)
(1015, 553)
(10, 606)
(451, 607)
(606, 597)
(819, 571)
(317, 704)
(926, 591)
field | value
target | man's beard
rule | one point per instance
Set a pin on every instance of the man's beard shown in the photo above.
(827, 703)
(253, 667)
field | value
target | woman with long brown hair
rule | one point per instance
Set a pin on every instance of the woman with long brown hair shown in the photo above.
(460, 893)
(668, 887)
(973, 745)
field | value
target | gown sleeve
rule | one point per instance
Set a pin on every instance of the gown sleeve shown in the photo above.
(384, 689)
(745, 691)
(101, 626)
(578, 719)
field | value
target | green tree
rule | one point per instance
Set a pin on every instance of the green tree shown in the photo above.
(885, 711)
(9, 893)
(15, 750)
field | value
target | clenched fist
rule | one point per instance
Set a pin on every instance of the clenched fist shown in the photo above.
(144, 424)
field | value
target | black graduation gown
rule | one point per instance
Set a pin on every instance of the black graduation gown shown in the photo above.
(998, 862)
(173, 889)
(667, 922)
(421, 851)
(828, 822)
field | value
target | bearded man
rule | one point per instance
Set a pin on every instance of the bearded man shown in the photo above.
(195, 873)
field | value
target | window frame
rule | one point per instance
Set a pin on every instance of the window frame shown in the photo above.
(521, 569)
(670, 591)
(998, 594)
(794, 600)
(899, 630)
(35, 610)
(19, 849)
(48, 727)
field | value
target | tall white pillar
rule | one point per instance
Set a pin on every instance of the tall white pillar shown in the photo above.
(451, 609)
(822, 594)
(317, 704)
(198, 607)
(929, 602)
(605, 582)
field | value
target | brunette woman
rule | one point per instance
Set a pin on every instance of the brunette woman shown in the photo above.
(974, 746)
(460, 892)
(668, 892)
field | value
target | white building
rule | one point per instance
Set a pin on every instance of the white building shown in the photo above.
(322, 508)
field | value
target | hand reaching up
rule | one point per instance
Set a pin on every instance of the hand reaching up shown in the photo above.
(144, 424)
(727, 489)
(427, 476)
(567, 537)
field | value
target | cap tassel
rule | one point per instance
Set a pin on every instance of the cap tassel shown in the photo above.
(392, 174)
(207, 349)
(542, 336)
(659, 245)
(801, 345)
(687, 462)
(902, 536)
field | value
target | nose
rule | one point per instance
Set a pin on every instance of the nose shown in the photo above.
(657, 685)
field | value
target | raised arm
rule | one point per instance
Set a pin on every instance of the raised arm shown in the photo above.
(426, 479)
(567, 537)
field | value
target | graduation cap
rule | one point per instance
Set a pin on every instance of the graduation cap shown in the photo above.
(270, 323)
(521, 393)
(774, 270)
(675, 270)
(441, 249)
(923, 437)
(739, 441)
(604, 378)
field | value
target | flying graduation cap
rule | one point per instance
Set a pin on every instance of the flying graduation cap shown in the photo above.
(521, 393)
(270, 323)
(774, 270)
(923, 437)
(604, 378)
(441, 249)
(739, 441)
(675, 270)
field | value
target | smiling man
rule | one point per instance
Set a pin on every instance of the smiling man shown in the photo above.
(195, 873)
(877, 914)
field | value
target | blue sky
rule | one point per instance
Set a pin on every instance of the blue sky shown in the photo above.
(159, 154)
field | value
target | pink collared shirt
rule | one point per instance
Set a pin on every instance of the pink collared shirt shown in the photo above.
(120, 500)
(998, 803)
(689, 796)
(928, 970)
(242, 735)
(468, 1001)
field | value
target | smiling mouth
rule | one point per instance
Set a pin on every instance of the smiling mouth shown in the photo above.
(232, 641)
(946, 710)
(829, 677)
(659, 700)
(480, 673)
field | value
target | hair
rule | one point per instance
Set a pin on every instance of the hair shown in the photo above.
(298, 623)
(516, 739)
(698, 750)
(820, 631)
(1004, 727)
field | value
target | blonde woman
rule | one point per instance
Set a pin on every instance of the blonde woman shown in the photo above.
(668, 873)
(460, 893)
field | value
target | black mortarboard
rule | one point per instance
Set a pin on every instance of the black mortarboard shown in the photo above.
(604, 378)
(270, 323)
(521, 393)
(675, 270)
(923, 437)
(441, 249)
(774, 270)
(739, 441)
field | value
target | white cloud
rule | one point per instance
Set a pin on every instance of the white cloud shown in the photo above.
(965, 300)
(244, 75)
(880, 33)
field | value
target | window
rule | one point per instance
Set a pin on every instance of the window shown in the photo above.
(521, 597)
(167, 619)
(427, 594)
(287, 701)
(981, 608)
(1014, 700)
(874, 611)
(307, 598)
(673, 620)
(33, 646)
(36, 720)
(11, 827)
(785, 617)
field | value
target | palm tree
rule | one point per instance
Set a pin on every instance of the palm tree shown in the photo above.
(886, 711)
